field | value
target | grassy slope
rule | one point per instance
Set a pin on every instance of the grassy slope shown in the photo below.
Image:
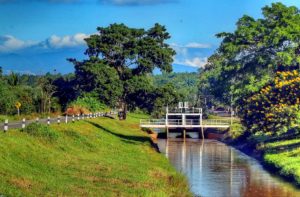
(99, 157)
(284, 156)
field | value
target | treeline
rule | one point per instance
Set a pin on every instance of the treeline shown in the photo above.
(257, 66)
(117, 73)
(186, 84)
(47, 93)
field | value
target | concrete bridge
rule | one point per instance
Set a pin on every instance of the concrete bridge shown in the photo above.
(185, 118)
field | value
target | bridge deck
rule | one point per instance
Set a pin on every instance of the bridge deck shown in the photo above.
(161, 123)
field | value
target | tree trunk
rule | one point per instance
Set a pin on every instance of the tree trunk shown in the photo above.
(122, 110)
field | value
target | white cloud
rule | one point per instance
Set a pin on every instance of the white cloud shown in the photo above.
(191, 45)
(196, 45)
(67, 41)
(9, 43)
(194, 62)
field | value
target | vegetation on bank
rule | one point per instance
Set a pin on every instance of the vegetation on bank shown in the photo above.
(98, 157)
(284, 156)
(255, 70)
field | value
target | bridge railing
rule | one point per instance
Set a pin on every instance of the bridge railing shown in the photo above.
(188, 122)
(188, 110)
(215, 122)
(153, 122)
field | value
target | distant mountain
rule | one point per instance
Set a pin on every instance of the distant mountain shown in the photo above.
(42, 61)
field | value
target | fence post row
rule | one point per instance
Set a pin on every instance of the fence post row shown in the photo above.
(82, 116)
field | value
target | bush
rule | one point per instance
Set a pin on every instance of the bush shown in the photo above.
(86, 104)
(41, 131)
(275, 108)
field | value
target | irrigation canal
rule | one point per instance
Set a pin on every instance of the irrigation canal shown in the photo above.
(217, 170)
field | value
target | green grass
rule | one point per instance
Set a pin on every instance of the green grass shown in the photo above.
(285, 157)
(98, 157)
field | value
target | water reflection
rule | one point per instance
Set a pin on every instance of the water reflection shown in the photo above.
(214, 170)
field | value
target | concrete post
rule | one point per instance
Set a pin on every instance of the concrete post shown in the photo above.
(48, 121)
(37, 120)
(78, 117)
(58, 120)
(23, 123)
(73, 120)
(66, 119)
(5, 125)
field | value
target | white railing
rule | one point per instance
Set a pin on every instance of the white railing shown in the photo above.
(192, 122)
(186, 111)
(174, 122)
(153, 122)
(188, 122)
(215, 122)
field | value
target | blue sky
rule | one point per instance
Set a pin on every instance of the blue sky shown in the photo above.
(37, 36)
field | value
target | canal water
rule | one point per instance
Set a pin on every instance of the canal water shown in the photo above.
(217, 170)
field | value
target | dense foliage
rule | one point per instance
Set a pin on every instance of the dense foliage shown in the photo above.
(275, 108)
(247, 58)
(120, 60)
(185, 84)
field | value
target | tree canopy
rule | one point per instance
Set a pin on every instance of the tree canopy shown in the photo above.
(248, 58)
(120, 60)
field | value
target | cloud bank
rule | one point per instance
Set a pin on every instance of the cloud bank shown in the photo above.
(9, 43)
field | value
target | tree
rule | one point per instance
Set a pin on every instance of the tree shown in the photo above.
(248, 58)
(47, 90)
(119, 55)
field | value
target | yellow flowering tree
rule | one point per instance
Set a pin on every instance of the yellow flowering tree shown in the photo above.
(275, 108)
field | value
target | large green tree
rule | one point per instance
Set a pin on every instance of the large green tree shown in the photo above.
(248, 57)
(120, 59)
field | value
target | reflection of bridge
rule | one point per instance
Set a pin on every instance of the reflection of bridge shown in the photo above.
(185, 118)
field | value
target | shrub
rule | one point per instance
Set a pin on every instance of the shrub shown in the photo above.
(86, 104)
(275, 108)
(41, 131)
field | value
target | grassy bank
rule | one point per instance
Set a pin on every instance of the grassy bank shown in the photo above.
(284, 156)
(277, 153)
(99, 157)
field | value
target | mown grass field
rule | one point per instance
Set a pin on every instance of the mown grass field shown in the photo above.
(97, 157)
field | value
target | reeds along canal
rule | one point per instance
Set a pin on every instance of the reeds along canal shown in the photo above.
(217, 170)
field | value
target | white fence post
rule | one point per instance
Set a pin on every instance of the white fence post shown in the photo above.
(78, 117)
(66, 119)
(48, 121)
(23, 123)
(37, 120)
(73, 120)
(58, 120)
(6, 125)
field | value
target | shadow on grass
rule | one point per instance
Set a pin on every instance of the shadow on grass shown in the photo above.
(283, 148)
(126, 138)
